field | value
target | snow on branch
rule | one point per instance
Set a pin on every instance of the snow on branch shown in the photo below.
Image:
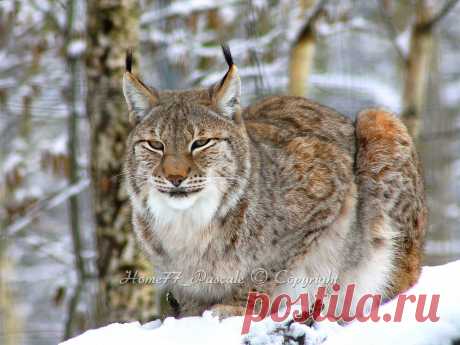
(180, 8)
(46, 205)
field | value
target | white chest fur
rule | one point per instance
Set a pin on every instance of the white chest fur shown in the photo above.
(183, 223)
(186, 228)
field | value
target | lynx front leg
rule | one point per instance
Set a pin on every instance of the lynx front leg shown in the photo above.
(224, 310)
(232, 306)
(391, 192)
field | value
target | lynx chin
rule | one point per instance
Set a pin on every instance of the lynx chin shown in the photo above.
(283, 184)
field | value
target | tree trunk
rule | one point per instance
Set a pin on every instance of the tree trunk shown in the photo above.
(72, 60)
(112, 29)
(72, 142)
(417, 68)
(303, 52)
(301, 63)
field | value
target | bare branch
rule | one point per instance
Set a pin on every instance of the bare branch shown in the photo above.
(441, 135)
(448, 6)
(71, 310)
(303, 52)
(391, 29)
(261, 86)
(308, 26)
(47, 205)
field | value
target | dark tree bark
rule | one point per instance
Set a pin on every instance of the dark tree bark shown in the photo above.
(113, 29)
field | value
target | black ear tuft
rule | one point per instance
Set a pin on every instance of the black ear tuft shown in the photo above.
(129, 60)
(227, 54)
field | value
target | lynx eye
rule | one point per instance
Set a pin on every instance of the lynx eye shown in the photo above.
(154, 145)
(199, 143)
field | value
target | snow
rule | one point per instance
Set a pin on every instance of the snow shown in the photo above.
(11, 161)
(58, 146)
(76, 48)
(56, 200)
(442, 280)
(382, 93)
(7, 6)
(451, 93)
(181, 8)
(403, 41)
(450, 247)
(452, 211)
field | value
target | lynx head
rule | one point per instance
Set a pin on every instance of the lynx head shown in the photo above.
(188, 151)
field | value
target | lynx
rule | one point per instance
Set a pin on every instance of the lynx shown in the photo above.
(285, 185)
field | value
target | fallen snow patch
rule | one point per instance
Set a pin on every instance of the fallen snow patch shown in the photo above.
(442, 280)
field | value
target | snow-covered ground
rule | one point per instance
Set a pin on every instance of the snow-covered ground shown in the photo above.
(439, 280)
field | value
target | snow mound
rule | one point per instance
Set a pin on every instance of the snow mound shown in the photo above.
(439, 280)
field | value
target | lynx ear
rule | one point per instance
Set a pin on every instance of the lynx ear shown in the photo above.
(226, 93)
(139, 97)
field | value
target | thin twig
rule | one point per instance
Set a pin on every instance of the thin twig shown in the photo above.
(392, 31)
(315, 14)
(441, 135)
(262, 87)
(449, 5)
(72, 143)
(71, 310)
(54, 201)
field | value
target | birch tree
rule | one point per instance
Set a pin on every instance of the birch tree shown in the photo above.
(417, 63)
(303, 50)
(113, 28)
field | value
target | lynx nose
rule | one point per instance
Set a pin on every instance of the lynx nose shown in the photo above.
(176, 180)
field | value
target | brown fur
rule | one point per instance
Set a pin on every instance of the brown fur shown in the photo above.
(389, 173)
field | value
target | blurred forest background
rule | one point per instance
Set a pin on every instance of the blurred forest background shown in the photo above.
(65, 237)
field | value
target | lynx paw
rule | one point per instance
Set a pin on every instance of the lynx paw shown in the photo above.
(222, 311)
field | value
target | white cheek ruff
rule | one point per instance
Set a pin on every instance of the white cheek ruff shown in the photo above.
(180, 203)
(183, 214)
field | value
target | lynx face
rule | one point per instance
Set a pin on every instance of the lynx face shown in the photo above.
(182, 152)
(189, 149)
